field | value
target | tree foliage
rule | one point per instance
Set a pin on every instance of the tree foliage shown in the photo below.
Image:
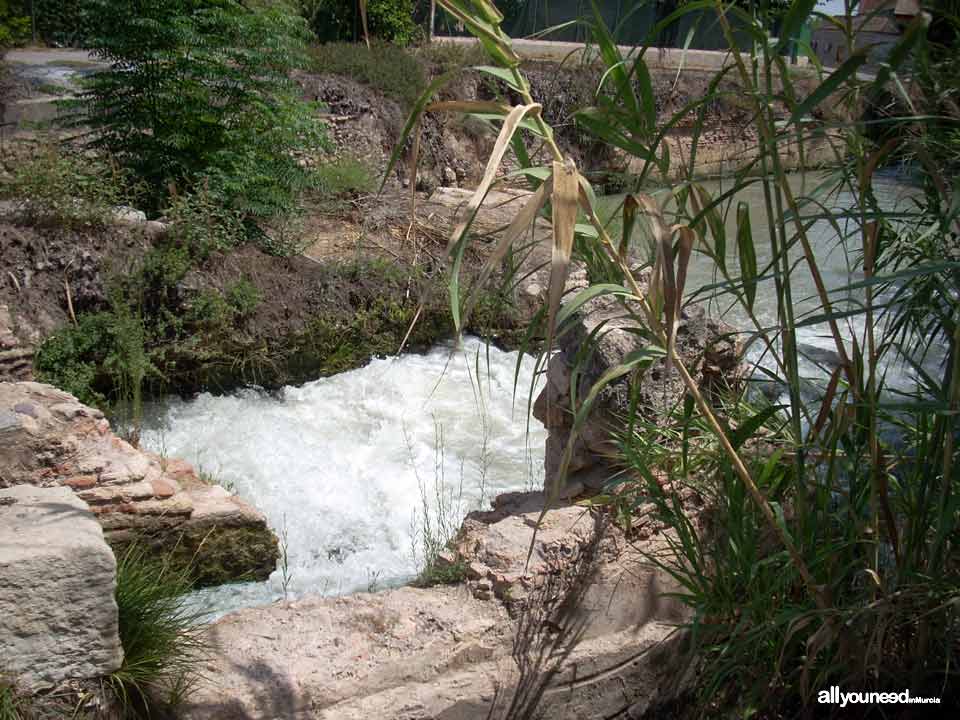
(339, 20)
(200, 91)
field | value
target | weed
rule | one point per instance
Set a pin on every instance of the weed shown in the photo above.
(443, 57)
(243, 297)
(161, 638)
(345, 177)
(442, 509)
(373, 580)
(202, 224)
(286, 577)
(387, 68)
(61, 188)
(12, 704)
(72, 359)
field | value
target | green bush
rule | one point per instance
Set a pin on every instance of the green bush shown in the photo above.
(70, 358)
(67, 189)
(345, 177)
(199, 223)
(243, 298)
(161, 637)
(387, 68)
(14, 24)
(340, 21)
(224, 113)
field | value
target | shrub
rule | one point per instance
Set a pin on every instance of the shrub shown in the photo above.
(340, 21)
(14, 24)
(242, 297)
(70, 358)
(345, 177)
(387, 68)
(199, 223)
(160, 635)
(62, 188)
(224, 112)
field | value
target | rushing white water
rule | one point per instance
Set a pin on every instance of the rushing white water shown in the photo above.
(341, 465)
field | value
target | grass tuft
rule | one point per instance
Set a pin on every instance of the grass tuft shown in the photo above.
(162, 640)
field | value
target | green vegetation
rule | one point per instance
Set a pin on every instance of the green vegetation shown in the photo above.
(161, 638)
(201, 225)
(14, 23)
(155, 337)
(827, 550)
(340, 20)
(224, 115)
(387, 68)
(345, 177)
(11, 704)
(65, 189)
(62, 22)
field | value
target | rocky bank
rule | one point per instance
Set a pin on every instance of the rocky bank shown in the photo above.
(49, 439)
(585, 628)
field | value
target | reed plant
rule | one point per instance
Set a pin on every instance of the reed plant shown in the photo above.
(827, 554)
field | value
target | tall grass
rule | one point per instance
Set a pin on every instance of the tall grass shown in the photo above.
(828, 550)
(162, 640)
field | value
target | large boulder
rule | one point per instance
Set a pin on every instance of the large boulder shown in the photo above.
(50, 439)
(58, 617)
(601, 335)
(585, 626)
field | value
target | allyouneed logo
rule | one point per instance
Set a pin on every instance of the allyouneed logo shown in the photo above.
(834, 696)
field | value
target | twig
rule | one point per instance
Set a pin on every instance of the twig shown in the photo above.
(16, 283)
(66, 287)
(410, 329)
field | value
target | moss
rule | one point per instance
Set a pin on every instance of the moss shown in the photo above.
(218, 340)
(442, 574)
(217, 555)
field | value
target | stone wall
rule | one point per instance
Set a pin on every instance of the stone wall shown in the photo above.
(49, 439)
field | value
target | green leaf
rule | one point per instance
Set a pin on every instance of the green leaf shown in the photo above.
(501, 74)
(749, 428)
(830, 85)
(715, 223)
(748, 256)
(588, 294)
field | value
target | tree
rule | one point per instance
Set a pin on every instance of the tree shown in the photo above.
(200, 92)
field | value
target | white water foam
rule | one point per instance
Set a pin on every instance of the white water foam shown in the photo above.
(341, 463)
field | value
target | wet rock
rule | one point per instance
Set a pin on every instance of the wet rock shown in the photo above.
(58, 618)
(49, 439)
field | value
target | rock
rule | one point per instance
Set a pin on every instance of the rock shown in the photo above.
(16, 357)
(58, 618)
(707, 348)
(448, 652)
(125, 215)
(49, 439)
